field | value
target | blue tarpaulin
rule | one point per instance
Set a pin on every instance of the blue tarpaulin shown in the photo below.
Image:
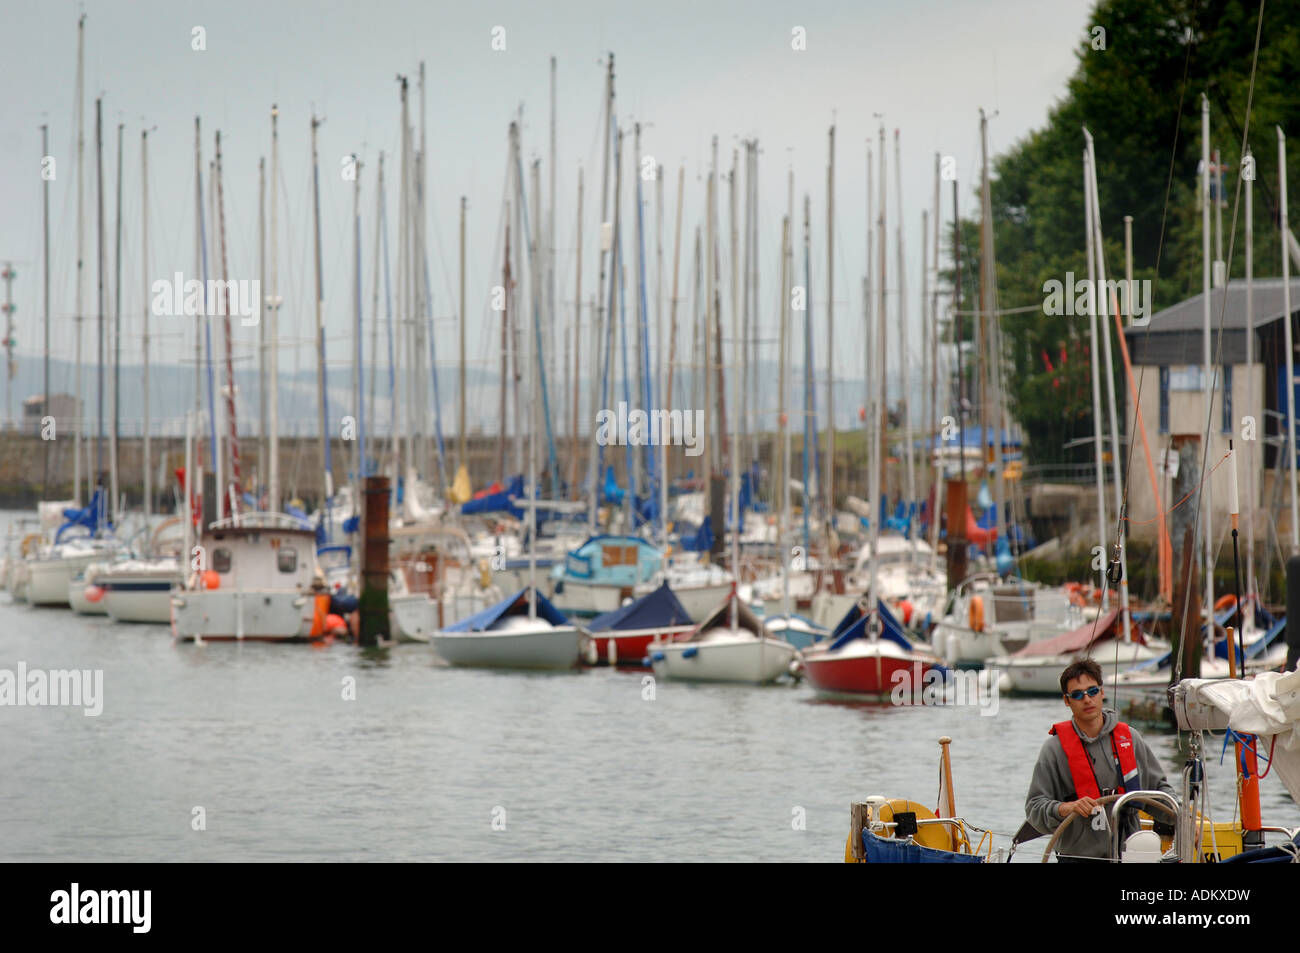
(497, 502)
(887, 850)
(658, 609)
(515, 605)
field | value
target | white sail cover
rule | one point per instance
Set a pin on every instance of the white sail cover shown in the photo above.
(1267, 705)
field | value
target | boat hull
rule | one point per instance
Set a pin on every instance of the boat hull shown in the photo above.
(218, 615)
(146, 600)
(48, 579)
(552, 648)
(746, 660)
(866, 668)
(631, 648)
(1042, 676)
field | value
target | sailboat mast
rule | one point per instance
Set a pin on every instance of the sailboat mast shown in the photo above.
(783, 417)
(81, 257)
(236, 483)
(460, 422)
(45, 263)
(273, 332)
(99, 174)
(358, 358)
(260, 483)
(577, 347)
(1116, 455)
(1250, 375)
(829, 495)
(144, 275)
(672, 304)
(603, 245)
(117, 338)
(321, 399)
(906, 401)
(505, 324)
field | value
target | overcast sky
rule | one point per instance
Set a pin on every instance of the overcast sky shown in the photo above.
(685, 71)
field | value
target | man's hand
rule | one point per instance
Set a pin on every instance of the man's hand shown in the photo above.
(1083, 807)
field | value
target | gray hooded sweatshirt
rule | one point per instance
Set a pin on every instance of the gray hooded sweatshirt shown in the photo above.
(1053, 784)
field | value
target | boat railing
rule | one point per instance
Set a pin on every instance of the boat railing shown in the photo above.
(260, 520)
(1150, 799)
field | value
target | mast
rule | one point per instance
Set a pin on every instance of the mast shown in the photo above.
(358, 358)
(117, 338)
(672, 304)
(879, 412)
(81, 256)
(868, 424)
(830, 349)
(810, 419)
(709, 279)
(45, 363)
(993, 343)
(99, 173)
(460, 424)
(552, 316)
(1095, 353)
(1208, 383)
(1250, 375)
(906, 404)
(260, 482)
(597, 391)
(321, 398)
(1287, 335)
(577, 346)
(783, 417)
(273, 332)
(933, 420)
(1116, 455)
(230, 493)
(505, 324)
(144, 276)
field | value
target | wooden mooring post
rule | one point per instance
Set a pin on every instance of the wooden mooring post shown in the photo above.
(374, 562)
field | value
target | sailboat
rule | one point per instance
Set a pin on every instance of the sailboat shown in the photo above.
(731, 645)
(522, 631)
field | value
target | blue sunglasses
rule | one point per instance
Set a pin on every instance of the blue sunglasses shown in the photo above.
(1080, 693)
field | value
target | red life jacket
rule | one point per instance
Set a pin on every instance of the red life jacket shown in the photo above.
(1081, 771)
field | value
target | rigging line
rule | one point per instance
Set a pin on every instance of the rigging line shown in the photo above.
(1209, 410)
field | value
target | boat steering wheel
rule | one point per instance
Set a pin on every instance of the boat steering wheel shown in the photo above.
(1103, 802)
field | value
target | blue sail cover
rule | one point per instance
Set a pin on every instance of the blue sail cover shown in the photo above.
(854, 626)
(656, 610)
(89, 517)
(497, 502)
(515, 605)
(612, 492)
(700, 541)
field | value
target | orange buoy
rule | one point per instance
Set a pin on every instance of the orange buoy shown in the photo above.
(334, 623)
(211, 579)
(977, 613)
(905, 607)
(93, 593)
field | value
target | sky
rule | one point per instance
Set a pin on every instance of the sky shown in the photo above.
(684, 71)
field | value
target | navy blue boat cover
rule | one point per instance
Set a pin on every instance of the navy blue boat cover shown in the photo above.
(655, 610)
(854, 626)
(515, 605)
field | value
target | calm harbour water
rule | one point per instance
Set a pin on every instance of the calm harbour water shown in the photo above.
(578, 766)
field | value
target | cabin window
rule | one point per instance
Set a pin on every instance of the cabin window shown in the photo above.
(1227, 398)
(221, 560)
(286, 558)
(1164, 400)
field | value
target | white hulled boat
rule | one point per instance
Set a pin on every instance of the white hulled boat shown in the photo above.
(730, 645)
(508, 635)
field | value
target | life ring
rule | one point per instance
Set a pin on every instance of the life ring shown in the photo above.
(977, 613)
(1224, 601)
